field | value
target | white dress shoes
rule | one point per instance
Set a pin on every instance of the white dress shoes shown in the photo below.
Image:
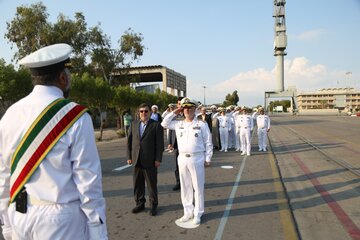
(196, 221)
(185, 218)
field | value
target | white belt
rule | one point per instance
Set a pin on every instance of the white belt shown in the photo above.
(34, 201)
(191, 154)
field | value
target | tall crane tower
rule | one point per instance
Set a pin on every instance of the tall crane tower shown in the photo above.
(280, 42)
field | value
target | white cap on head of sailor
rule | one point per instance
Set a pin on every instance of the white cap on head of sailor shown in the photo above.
(188, 102)
(48, 59)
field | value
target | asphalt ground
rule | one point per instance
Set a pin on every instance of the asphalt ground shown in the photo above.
(296, 190)
(324, 196)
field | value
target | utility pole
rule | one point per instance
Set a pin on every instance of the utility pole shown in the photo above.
(204, 94)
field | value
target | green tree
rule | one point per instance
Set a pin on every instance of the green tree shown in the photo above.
(94, 93)
(231, 99)
(284, 103)
(324, 104)
(30, 30)
(13, 84)
(105, 60)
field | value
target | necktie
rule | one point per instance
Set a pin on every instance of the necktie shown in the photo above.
(142, 128)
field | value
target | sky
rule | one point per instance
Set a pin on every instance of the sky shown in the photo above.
(226, 45)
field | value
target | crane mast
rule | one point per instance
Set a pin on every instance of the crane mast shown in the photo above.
(280, 42)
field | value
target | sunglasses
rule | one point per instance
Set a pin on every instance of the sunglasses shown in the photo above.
(144, 111)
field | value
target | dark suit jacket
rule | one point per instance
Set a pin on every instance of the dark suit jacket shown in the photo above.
(147, 149)
(208, 120)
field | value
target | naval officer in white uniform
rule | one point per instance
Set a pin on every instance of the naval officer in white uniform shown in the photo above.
(195, 152)
(64, 194)
(224, 128)
(245, 122)
(263, 124)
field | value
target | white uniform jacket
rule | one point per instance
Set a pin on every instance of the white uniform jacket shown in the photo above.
(244, 121)
(224, 121)
(263, 122)
(70, 172)
(191, 138)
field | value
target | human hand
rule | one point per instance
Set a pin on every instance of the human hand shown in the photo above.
(129, 162)
(157, 164)
(178, 110)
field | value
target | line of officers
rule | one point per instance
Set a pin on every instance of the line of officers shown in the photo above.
(231, 127)
(197, 132)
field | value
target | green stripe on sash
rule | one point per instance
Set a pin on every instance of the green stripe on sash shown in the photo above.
(36, 128)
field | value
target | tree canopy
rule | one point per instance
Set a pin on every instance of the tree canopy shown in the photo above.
(231, 99)
(13, 85)
(30, 30)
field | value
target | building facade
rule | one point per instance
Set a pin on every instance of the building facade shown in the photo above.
(172, 82)
(347, 99)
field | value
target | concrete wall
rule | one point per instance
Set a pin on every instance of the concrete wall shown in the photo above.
(318, 112)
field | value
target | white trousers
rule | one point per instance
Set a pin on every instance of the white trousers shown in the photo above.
(237, 138)
(231, 138)
(245, 140)
(48, 222)
(262, 136)
(192, 180)
(224, 137)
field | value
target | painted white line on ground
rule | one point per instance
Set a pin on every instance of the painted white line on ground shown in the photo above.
(225, 216)
(227, 167)
(122, 168)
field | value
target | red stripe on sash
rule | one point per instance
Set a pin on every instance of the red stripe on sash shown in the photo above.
(59, 127)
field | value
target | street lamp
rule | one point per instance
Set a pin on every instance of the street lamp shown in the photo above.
(204, 94)
(348, 76)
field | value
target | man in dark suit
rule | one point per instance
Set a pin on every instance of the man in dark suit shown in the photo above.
(145, 148)
(205, 117)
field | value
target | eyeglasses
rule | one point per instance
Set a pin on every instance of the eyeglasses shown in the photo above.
(144, 111)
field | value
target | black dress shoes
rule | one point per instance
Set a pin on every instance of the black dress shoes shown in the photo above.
(176, 187)
(153, 212)
(138, 208)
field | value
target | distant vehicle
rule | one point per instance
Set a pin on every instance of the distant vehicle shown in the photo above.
(358, 114)
(279, 109)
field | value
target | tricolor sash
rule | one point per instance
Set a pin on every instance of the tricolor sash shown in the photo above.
(40, 138)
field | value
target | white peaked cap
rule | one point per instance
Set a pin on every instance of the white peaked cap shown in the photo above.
(47, 56)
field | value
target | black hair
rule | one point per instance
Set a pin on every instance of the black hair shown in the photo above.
(144, 105)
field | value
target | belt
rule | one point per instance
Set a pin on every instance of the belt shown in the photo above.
(191, 154)
(35, 201)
